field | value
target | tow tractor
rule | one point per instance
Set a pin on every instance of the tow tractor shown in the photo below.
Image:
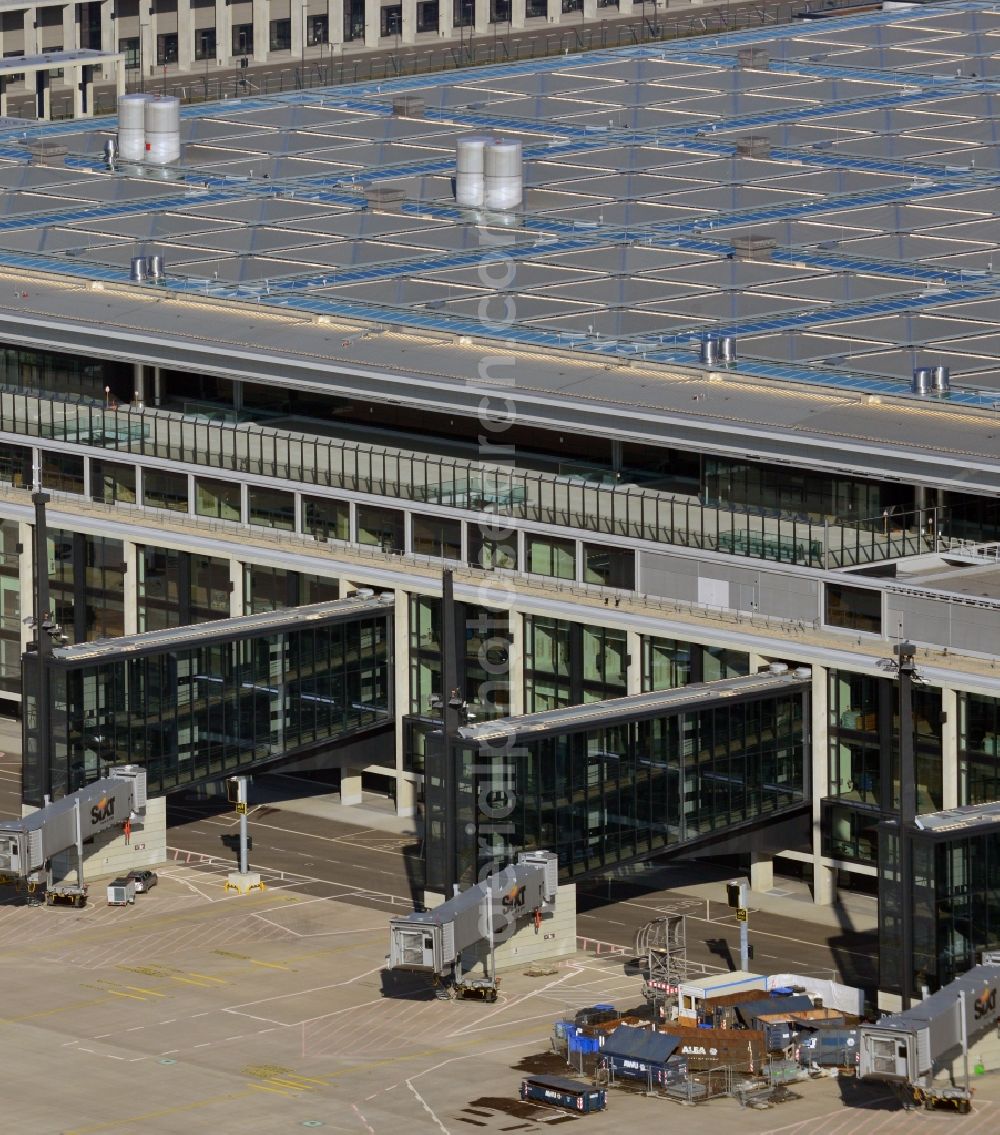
(28, 845)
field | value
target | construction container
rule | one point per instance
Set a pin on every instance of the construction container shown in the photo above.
(557, 1091)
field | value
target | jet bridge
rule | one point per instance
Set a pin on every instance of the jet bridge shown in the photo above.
(28, 845)
(432, 941)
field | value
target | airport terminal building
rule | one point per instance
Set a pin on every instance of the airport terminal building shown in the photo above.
(713, 387)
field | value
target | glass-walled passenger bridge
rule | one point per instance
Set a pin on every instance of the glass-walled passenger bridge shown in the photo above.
(625, 779)
(193, 704)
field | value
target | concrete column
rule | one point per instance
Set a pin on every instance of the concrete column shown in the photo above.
(3, 97)
(824, 878)
(409, 21)
(952, 774)
(108, 40)
(757, 663)
(590, 13)
(553, 11)
(223, 32)
(335, 22)
(400, 678)
(350, 786)
(517, 14)
(237, 594)
(147, 44)
(297, 15)
(373, 18)
(120, 77)
(70, 36)
(625, 7)
(761, 872)
(185, 36)
(633, 645)
(446, 18)
(516, 665)
(481, 17)
(30, 33)
(261, 31)
(26, 579)
(130, 596)
(406, 798)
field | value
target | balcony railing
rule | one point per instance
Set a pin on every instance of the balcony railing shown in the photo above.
(575, 501)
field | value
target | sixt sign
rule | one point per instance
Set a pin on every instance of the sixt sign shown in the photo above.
(985, 1003)
(514, 899)
(103, 810)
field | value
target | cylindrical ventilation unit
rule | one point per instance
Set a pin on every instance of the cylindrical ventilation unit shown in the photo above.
(137, 271)
(923, 380)
(504, 176)
(156, 266)
(942, 379)
(469, 167)
(132, 127)
(111, 151)
(727, 349)
(163, 131)
(708, 350)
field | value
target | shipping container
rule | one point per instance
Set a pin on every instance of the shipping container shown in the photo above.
(556, 1091)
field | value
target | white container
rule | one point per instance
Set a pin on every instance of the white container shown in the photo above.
(469, 165)
(504, 176)
(132, 127)
(163, 131)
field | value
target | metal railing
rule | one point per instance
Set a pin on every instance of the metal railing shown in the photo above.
(438, 482)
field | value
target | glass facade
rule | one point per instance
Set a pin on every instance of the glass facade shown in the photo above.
(863, 786)
(87, 584)
(668, 663)
(956, 903)
(606, 794)
(10, 608)
(568, 663)
(274, 589)
(978, 749)
(196, 712)
(178, 588)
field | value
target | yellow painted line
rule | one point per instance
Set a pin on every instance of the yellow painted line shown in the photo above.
(288, 1084)
(309, 1080)
(277, 1091)
(269, 965)
(190, 981)
(142, 989)
(119, 993)
(133, 1122)
(50, 1012)
(206, 977)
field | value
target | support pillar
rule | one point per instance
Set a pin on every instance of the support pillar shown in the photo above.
(130, 590)
(952, 773)
(553, 11)
(590, 9)
(481, 17)
(761, 872)
(409, 34)
(446, 18)
(30, 32)
(406, 798)
(824, 878)
(223, 32)
(335, 25)
(350, 786)
(108, 43)
(400, 681)
(373, 25)
(515, 668)
(517, 15)
(185, 37)
(25, 579)
(633, 647)
(297, 17)
(261, 31)
(70, 35)
(237, 589)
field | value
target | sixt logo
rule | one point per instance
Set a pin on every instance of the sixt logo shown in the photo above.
(103, 810)
(985, 1003)
(513, 899)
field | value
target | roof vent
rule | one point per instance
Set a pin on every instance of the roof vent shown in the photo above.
(941, 379)
(408, 106)
(753, 146)
(754, 247)
(923, 380)
(778, 668)
(384, 198)
(708, 350)
(46, 153)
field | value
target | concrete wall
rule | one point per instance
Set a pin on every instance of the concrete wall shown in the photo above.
(109, 855)
(555, 938)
